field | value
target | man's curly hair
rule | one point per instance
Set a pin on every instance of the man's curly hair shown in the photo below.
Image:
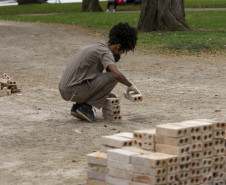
(125, 35)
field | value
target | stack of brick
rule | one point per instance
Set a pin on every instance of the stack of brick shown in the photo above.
(116, 141)
(144, 139)
(175, 139)
(97, 168)
(111, 109)
(7, 86)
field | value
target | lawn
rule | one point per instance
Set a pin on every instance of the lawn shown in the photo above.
(208, 33)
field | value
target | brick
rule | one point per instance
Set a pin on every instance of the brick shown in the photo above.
(207, 153)
(118, 165)
(171, 178)
(96, 175)
(207, 162)
(185, 182)
(218, 168)
(196, 164)
(197, 147)
(138, 150)
(134, 97)
(204, 125)
(137, 143)
(207, 137)
(111, 112)
(219, 182)
(4, 82)
(148, 145)
(105, 148)
(118, 181)
(116, 141)
(128, 135)
(112, 101)
(218, 160)
(137, 183)
(122, 174)
(218, 143)
(98, 158)
(172, 140)
(207, 179)
(196, 138)
(97, 168)
(194, 129)
(185, 167)
(181, 150)
(112, 118)
(121, 155)
(111, 107)
(184, 159)
(95, 182)
(148, 179)
(218, 175)
(183, 175)
(172, 130)
(219, 151)
(196, 172)
(219, 134)
(195, 180)
(207, 171)
(148, 171)
(3, 92)
(173, 169)
(208, 145)
(176, 183)
(145, 134)
(196, 155)
(216, 124)
(150, 160)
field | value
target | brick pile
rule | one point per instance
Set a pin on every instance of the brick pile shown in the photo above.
(185, 153)
(7, 86)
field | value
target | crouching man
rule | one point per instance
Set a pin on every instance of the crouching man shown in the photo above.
(84, 80)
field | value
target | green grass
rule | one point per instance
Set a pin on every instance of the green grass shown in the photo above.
(208, 35)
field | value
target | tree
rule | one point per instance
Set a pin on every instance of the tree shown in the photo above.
(159, 15)
(91, 6)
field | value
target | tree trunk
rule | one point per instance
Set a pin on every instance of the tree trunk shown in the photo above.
(159, 15)
(91, 6)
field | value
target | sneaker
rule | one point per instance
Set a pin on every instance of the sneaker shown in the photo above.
(85, 111)
(74, 113)
(107, 10)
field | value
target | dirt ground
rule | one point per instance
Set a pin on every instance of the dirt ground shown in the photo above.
(39, 139)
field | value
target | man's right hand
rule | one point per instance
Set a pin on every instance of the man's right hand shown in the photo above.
(133, 89)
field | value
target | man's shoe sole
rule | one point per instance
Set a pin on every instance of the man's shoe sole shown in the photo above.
(84, 116)
(75, 114)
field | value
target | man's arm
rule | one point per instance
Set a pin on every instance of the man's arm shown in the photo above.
(119, 76)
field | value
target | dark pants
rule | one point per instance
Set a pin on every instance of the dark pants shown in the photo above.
(110, 3)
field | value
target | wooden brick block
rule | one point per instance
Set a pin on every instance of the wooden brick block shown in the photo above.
(118, 181)
(148, 171)
(148, 179)
(207, 162)
(148, 134)
(168, 149)
(219, 134)
(118, 173)
(197, 147)
(97, 168)
(218, 160)
(196, 138)
(185, 167)
(96, 175)
(115, 141)
(95, 182)
(184, 159)
(98, 158)
(173, 169)
(183, 175)
(134, 97)
(118, 165)
(196, 172)
(128, 135)
(112, 118)
(172, 140)
(121, 155)
(196, 164)
(172, 130)
(208, 145)
(207, 171)
(196, 155)
(218, 175)
(112, 101)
